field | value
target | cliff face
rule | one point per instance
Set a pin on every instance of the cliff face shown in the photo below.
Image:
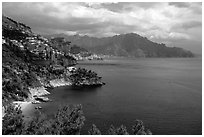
(128, 45)
(27, 56)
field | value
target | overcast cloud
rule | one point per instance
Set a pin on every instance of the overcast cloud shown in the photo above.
(176, 24)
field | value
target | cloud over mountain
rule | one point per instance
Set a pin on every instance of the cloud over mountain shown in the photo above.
(161, 22)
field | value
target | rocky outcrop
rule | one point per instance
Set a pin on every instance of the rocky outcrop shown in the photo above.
(38, 91)
(36, 95)
(42, 99)
(88, 84)
(82, 77)
(59, 82)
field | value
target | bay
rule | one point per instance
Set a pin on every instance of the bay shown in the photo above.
(165, 93)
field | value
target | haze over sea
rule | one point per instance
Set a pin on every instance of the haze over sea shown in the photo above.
(165, 93)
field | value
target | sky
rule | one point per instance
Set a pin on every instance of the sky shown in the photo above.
(172, 23)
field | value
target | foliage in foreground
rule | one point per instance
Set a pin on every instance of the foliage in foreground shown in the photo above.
(13, 121)
(68, 120)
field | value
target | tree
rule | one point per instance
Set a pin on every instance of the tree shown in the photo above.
(94, 130)
(118, 131)
(38, 125)
(139, 129)
(69, 121)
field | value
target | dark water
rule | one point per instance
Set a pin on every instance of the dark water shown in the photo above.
(166, 94)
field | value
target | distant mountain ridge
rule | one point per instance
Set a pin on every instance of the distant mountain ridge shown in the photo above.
(128, 45)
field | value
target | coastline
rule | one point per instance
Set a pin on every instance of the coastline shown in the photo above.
(39, 92)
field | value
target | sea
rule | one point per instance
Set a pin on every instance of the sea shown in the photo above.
(165, 93)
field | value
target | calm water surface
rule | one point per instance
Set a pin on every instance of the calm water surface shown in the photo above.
(166, 94)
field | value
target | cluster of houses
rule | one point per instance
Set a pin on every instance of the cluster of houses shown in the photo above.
(38, 45)
(41, 47)
(80, 56)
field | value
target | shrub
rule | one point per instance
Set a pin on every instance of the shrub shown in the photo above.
(118, 131)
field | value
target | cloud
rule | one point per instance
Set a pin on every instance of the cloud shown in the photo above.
(188, 25)
(180, 4)
(158, 21)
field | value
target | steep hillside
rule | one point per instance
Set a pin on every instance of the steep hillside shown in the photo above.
(27, 59)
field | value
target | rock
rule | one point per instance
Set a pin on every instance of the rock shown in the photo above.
(39, 107)
(35, 102)
(81, 85)
(59, 82)
(35, 96)
(43, 99)
(3, 111)
(38, 91)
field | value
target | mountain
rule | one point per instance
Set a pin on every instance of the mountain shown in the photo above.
(128, 45)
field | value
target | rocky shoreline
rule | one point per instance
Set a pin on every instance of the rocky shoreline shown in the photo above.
(86, 84)
(38, 91)
(80, 78)
(37, 94)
